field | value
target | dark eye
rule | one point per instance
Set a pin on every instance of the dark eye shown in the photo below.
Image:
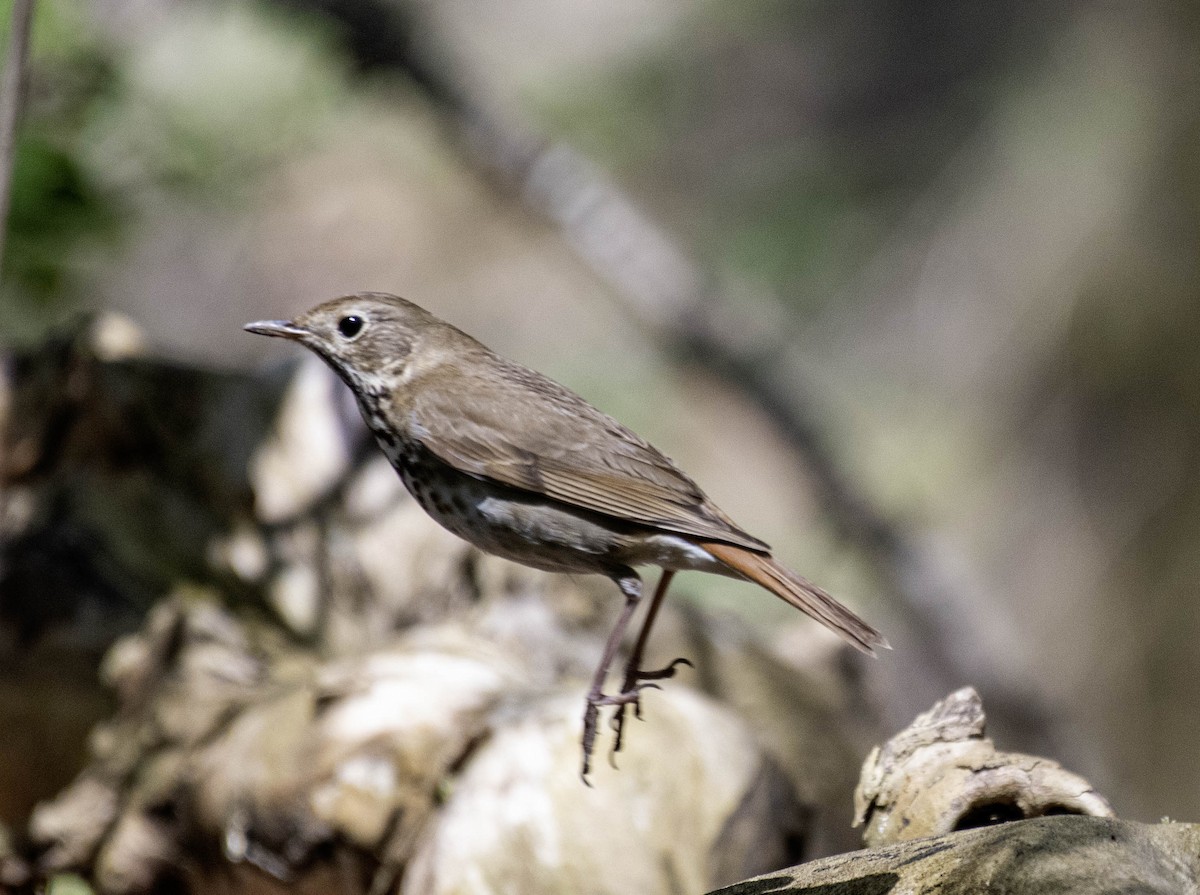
(350, 326)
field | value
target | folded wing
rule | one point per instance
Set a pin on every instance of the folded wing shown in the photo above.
(526, 431)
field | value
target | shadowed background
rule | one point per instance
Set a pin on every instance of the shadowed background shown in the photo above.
(964, 239)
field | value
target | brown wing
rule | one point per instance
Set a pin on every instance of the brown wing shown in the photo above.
(524, 430)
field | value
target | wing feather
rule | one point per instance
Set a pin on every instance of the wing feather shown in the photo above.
(526, 431)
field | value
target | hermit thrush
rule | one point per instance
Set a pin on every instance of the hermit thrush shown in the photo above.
(524, 468)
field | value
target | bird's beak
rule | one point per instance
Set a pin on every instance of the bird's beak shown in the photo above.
(282, 328)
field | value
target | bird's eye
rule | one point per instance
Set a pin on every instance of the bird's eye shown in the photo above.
(350, 326)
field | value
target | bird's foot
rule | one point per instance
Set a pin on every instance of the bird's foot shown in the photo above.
(591, 714)
(636, 680)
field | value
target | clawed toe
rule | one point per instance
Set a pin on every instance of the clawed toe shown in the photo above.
(631, 696)
(663, 673)
(591, 712)
(636, 680)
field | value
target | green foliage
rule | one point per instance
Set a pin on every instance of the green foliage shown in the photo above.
(198, 114)
(68, 884)
(55, 206)
(58, 205)
(215, 99)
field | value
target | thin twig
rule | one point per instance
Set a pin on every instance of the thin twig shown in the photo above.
(12, 99)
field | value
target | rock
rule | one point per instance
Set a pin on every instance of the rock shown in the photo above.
(1068, 855)
(14, 871)
(320, 689)
(442, 759)
(941, 774)
(695, 801)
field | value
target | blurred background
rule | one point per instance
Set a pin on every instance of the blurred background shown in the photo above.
(914, 289)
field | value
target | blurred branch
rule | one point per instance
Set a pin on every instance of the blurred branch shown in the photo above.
(680, 307)
(691, 321)
(12, 96)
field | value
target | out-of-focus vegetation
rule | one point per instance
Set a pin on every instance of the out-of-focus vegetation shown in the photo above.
(787, 140)
(59, 205)
(982, 220)
(1023, 272)
(985, 222)
(111, 128)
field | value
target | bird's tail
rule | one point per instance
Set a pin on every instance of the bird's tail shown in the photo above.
(804, 595)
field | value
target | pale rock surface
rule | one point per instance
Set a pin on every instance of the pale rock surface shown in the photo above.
(942, 774)
(1069, 855)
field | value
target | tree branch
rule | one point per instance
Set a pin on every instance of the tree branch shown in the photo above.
(12, 99)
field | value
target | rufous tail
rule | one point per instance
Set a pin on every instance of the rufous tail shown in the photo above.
(804, 595)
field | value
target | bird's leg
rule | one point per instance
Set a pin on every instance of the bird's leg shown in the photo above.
(631, 587)
(633, 671)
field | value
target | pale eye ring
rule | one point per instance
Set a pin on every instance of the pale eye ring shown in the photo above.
(350, 326)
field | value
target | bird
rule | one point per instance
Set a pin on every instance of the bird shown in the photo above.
(524, 468)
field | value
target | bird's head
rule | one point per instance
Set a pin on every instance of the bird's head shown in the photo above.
(363, 337)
